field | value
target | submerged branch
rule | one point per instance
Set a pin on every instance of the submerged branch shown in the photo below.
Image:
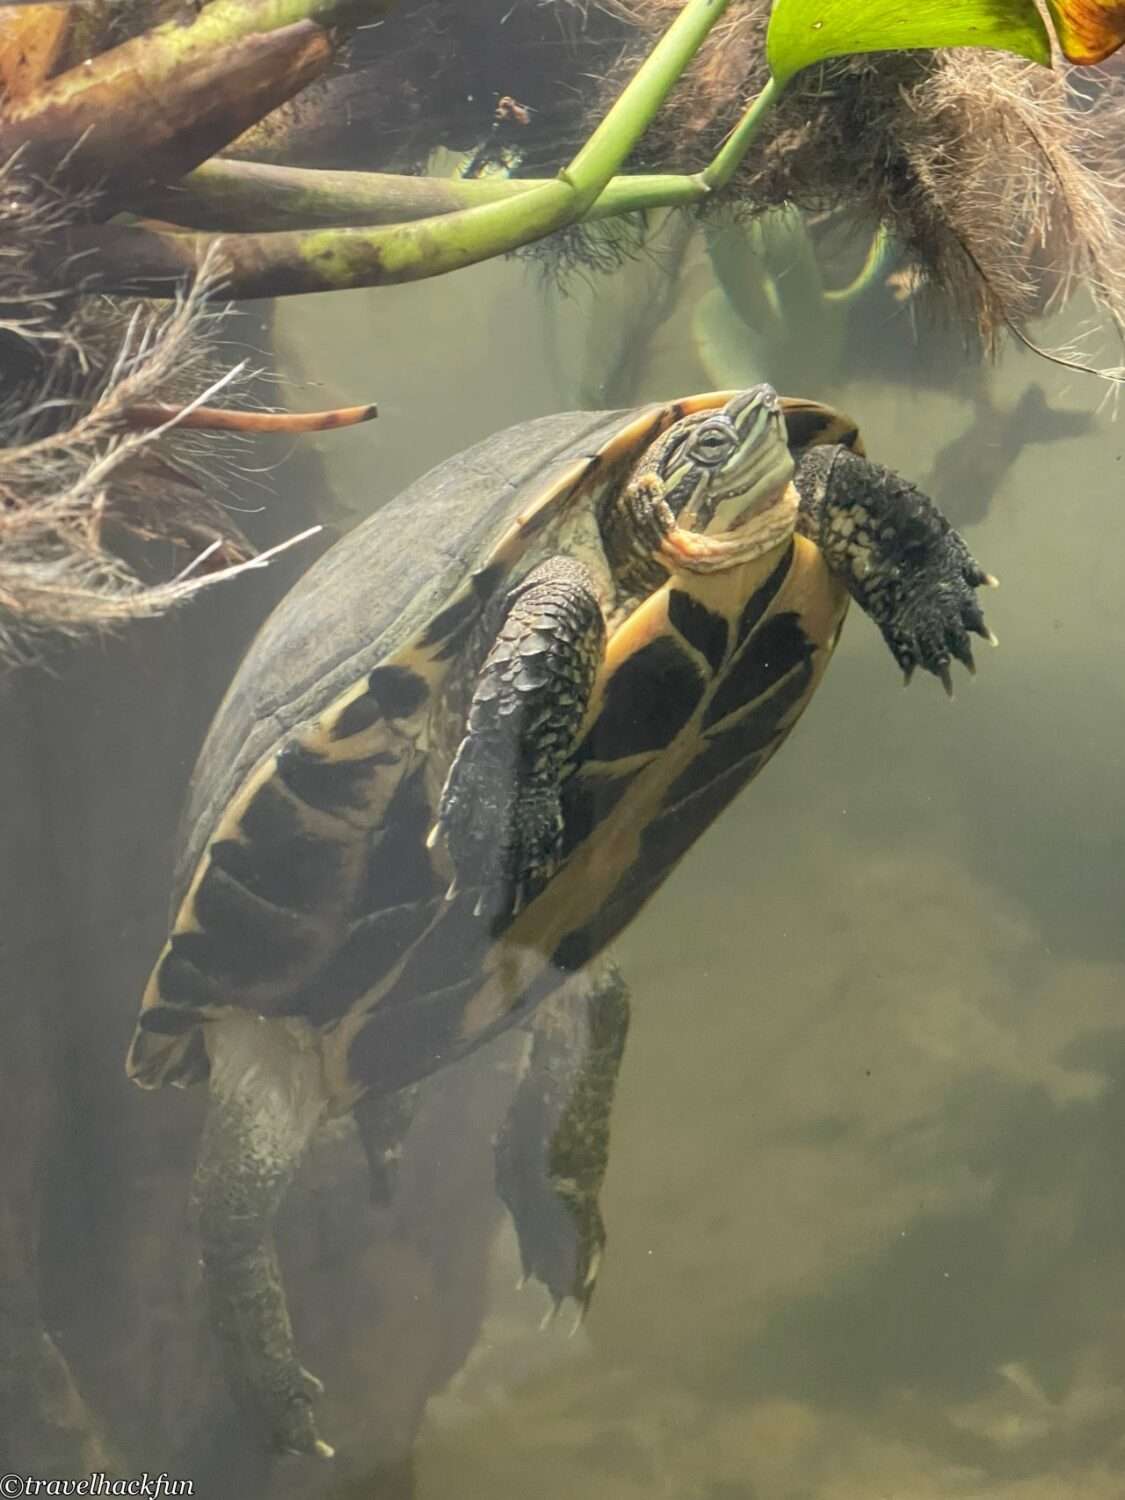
(156, 106)
(222, 419)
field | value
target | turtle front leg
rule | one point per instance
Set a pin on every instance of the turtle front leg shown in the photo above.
(266, 1099)
(553, 1149)
(500, 810)
(898, 557)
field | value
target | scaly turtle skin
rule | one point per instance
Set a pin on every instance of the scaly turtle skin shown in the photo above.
(456, 762)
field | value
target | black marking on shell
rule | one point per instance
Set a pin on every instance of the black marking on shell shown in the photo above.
(167, 1020)
(366, 956)
(749, 735)
(575, 950)
(449, 628)
(179, 982)
(306, 876)
(486, 580)
(360, 715)
(400, 1044)
(271, 817)
(399, 868)
(329, 785)
(648, 700)
(668, 837)
(586, 802)
(392, 693)
(763, 596)
(806, 425)
(237, 924)
(455, 944)
(713, 762)
(398, 691)
(582, 944)
(700, 627)
(772, 653)
(239, 957)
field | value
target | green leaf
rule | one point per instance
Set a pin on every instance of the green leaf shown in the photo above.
(802, 32)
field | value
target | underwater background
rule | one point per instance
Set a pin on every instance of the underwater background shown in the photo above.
(867, 1234)
(865, 1205)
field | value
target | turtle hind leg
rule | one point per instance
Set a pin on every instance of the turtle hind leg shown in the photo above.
(897, 556)
(383, 1121)
(266, 1100)
(500, 812)
(553, 1148)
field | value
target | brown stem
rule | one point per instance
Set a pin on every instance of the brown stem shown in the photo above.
(155, 107)
(220, 419)
(32, 38)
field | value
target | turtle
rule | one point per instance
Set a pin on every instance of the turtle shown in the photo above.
(457, 760)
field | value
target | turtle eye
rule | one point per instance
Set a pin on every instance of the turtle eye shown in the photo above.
(713, 444)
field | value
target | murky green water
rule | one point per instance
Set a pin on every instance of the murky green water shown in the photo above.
(866, 1227)
(866, 1222)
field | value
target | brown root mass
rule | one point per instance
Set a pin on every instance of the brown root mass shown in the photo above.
(77, 485)
(989, 177)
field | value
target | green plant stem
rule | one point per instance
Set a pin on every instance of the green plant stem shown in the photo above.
(729, 158)
(228, 194)
(879, 255)
(611, 143)
(281, 264)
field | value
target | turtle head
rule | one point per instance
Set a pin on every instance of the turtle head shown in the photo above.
(729, 465)
(712, 492)
(724, 477)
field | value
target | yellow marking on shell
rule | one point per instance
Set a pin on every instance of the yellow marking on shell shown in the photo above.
(581, 888)
(320, 735)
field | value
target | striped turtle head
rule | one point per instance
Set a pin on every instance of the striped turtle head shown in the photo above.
(722, 469)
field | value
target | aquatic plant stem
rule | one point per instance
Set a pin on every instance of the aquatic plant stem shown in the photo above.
(878, 258)
(280, 264)
(729, 158)
(611, 143)
(222, 193)
(225, 193)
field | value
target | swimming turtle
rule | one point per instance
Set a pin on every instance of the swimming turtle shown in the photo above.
(457, 760)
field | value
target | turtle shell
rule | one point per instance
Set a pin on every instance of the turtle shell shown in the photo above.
(304, 887)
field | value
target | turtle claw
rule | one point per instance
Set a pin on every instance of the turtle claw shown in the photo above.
(933, 608)
(292, 1419)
